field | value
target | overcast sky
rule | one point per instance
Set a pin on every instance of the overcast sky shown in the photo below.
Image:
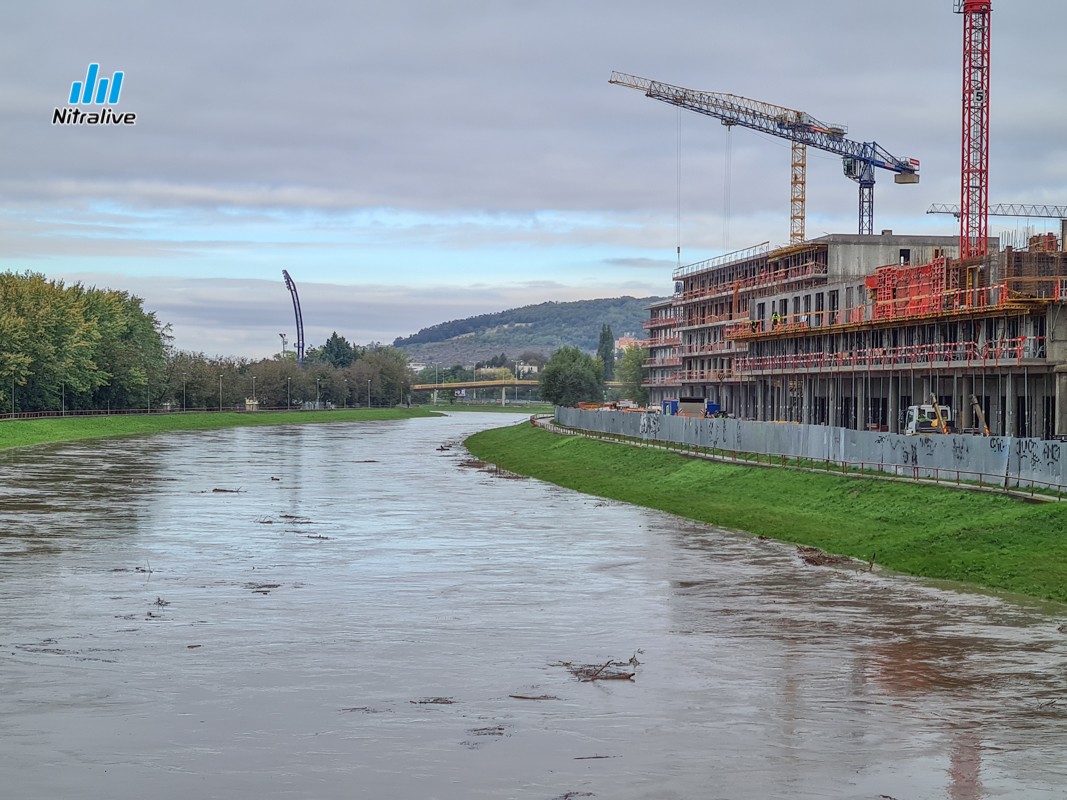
(414, 162)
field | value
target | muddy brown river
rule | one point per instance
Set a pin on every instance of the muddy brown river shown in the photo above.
(353, 611)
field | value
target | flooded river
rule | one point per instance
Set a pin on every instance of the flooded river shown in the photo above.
(351, 611)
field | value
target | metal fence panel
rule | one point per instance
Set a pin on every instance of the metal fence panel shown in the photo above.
(1001, 460)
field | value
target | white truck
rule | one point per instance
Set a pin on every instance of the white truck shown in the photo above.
(936, 418)
(928, 418)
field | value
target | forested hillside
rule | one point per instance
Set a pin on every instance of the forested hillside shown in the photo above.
(543, 328)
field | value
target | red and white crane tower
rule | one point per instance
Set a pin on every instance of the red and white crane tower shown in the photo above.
(974, 189)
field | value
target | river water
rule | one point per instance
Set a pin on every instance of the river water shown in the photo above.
(355, 611)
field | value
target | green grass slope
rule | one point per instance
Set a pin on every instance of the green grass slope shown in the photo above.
(987, 540)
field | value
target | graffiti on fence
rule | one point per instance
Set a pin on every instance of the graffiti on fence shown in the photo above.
(1037, 453)
(649, 424)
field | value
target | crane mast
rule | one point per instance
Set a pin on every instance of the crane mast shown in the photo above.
(859, 158)
(974, 184)
(299, 318)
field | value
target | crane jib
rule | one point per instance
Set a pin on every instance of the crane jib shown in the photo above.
(800, 128)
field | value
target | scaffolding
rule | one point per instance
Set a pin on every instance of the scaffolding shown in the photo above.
(784, 338)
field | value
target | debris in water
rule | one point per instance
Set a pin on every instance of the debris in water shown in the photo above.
(434, 701)
(533, 696)
(226, 491)
(262, 588)
(818, 558)
(161, 602)
(493, 730)
(608, 671)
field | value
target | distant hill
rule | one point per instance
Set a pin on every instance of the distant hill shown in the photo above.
(541, 328)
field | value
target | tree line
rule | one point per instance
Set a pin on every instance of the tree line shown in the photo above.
(572, 376)
(71, 348)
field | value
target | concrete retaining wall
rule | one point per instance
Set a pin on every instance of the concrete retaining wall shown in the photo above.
(995, 459)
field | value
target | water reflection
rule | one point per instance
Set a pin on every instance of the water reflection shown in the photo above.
(339, 611)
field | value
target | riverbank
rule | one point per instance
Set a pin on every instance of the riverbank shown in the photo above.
(24, 433)
(989, 541)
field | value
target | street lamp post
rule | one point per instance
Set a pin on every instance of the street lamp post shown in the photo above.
(436, 382)
(220, 392)
(318, 394)
(253, 390)
(368, 392)
(346, 392)
(288, 392)
(183, 392)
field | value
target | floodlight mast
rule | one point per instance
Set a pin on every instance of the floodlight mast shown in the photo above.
(299, 318)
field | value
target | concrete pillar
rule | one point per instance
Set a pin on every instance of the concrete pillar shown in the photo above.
(893, 405)
(1060, 424)
(861, 406)
(831, 402)
(809, 391)
(965, 415)
(760, 393)
(1009, 405)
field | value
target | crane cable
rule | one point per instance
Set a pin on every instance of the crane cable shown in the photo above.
(727, 180)
(678, 188)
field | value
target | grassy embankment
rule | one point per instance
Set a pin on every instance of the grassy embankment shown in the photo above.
(986, 540)
(22, 433)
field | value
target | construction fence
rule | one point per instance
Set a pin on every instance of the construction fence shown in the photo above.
(996, 461)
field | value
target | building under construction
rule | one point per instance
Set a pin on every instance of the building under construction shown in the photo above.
(850, 330)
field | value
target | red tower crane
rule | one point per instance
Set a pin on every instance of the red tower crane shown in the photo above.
(974, 174)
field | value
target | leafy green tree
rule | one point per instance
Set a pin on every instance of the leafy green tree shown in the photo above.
(605, 351)
(631, 374)
(389, 372)
(337, 352)
(72, 347)
(571, 377)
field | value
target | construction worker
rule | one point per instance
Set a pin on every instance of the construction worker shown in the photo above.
(776, 319)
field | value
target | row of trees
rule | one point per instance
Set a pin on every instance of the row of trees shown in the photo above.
(75, 348)
(70, 348)
(376, 375)
(573, 377)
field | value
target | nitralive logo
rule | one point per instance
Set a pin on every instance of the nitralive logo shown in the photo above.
(94, 90)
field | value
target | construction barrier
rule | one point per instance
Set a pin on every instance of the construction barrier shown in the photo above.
(1004, 461)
